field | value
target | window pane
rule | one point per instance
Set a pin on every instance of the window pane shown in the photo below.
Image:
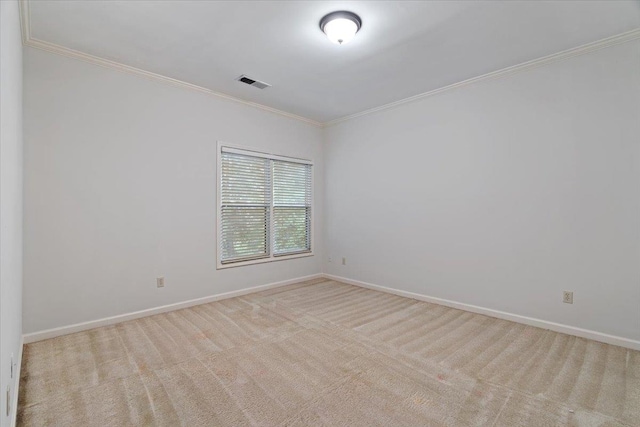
(245, 180)
(292, 229)
(291, 184)
(244, 232)
(291, 207)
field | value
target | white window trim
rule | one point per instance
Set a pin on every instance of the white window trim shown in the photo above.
(271, 257)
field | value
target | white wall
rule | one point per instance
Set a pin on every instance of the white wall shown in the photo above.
(120, 187)
(10, 201)
(500, 194)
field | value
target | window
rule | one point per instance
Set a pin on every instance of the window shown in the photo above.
(264, 207)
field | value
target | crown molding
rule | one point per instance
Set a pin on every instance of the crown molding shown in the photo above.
(556, 57)
(71, 53)
(25, 20)
(28, 40)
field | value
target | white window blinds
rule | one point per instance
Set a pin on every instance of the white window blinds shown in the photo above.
(245, 207)
(265, 206)
(291, 207)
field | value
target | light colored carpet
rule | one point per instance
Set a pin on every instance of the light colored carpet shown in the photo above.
(326, 353)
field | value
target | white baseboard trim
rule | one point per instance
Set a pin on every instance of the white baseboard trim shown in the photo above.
(16, 387)
(78, 327)
(531, 321)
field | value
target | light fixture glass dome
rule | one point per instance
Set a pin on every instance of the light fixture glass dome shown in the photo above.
(340, 27)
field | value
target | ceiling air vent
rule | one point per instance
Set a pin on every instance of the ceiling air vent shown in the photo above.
(253, 82)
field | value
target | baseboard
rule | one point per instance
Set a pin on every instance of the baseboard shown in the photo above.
(557, 327)
(78, 327)
(531, 321)
(16, 387)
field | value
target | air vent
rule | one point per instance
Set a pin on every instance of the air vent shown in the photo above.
(253, 82)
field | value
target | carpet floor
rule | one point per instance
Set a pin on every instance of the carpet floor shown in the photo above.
(325, 353)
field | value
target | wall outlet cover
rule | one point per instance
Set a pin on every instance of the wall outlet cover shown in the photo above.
(567, 297)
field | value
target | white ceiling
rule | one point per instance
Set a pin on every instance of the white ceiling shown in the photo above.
(403, 48)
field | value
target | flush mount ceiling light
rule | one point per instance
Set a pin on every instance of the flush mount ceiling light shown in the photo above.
(340, 26)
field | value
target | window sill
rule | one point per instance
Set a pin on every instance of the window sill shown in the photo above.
(263, 260)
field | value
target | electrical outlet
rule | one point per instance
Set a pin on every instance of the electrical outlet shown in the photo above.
(567, 297)
(344, 261)
(330, 259)
(160, 282)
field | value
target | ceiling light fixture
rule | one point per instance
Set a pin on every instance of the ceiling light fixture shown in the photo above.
(340, 26)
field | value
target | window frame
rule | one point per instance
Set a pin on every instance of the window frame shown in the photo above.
(271, 258)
